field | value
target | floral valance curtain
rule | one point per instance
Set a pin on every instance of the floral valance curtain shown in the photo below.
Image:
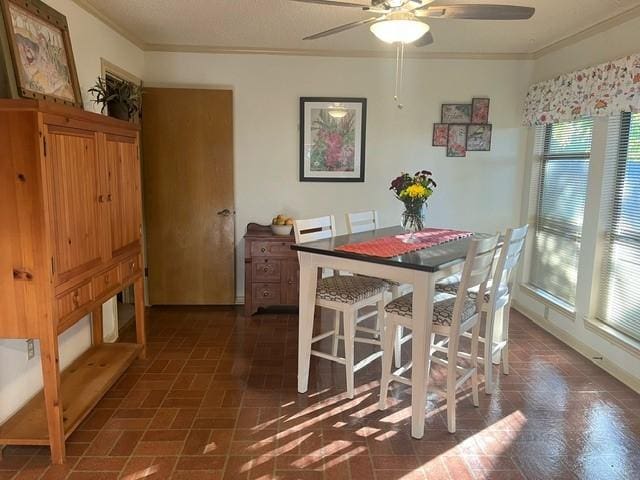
(603, 90)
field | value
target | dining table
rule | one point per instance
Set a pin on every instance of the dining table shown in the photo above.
(421, 269)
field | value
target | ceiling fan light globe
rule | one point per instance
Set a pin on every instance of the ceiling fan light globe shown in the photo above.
(400, 30)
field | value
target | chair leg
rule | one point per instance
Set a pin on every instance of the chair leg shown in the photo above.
(336, 332)
(380, 322)
(475, 333)
(505, 333)
(488, 348)
(387, 356)
(349, 323)
(398, 346)
(452, 359)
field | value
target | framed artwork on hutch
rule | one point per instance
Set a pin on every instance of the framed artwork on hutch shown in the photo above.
(36, 38)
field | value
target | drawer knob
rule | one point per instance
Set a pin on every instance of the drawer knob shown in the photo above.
(263, 249)
(265, 293)
(132, 266)
(76, 299)
(290, 282)
(265, 269)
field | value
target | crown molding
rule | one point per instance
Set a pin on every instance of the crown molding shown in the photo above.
(588, 32)
(176, 48)
(89, 8)
(332, 53)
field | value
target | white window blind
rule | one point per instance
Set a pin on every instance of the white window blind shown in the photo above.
(619, 293)
(560, 186)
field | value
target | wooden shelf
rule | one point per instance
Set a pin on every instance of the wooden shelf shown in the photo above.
(83, 384)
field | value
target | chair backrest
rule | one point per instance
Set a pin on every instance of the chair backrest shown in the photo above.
(362, 221)
(313, 229)
(475, 273)
(510, 254)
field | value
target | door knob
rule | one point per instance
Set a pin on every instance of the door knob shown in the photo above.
(224, 213)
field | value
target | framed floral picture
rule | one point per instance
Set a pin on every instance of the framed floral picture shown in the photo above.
(40, 48)
(480, 110)
(440, 134)
(456, 113)
(457, 141)
(479, 138)
(332, 139)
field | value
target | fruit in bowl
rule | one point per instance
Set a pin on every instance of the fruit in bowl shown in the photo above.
(281, 225)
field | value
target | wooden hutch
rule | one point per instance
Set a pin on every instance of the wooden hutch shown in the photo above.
(271, 270)
(70, 223)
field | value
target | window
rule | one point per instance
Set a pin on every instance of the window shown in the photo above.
(619, 293)
(560, 185)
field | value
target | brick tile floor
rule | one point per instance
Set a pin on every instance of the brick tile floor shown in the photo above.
(217, 400)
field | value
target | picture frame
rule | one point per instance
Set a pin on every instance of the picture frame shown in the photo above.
(456, 113)
(440, 135)
(480, 110)
(457, 140)
(479, 137)
(38, 42)
(332, 139)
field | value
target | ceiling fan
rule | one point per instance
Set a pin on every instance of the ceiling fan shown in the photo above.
(400, 21)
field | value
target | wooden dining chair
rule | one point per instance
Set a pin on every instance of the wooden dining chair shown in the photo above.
(358, 222)
(346, 295)
(453, 315)
(497, 299)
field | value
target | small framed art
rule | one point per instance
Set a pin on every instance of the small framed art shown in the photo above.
(456, 113)
(440, 134)
(40, 46)
(457, 141)
(332, 139)
(480, 110)
(479, 138)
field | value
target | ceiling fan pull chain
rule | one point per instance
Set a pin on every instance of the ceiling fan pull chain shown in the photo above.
(400, 105)
(395, 93)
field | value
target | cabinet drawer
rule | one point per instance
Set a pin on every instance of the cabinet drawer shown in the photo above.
(106, 281)
(130, 267)
(266, 293)
(266, 270)
(75, 299)
(277, 249)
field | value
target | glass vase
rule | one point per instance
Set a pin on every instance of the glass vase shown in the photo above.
(412, 221)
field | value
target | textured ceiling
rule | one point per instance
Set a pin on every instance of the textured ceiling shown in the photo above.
(281, 24)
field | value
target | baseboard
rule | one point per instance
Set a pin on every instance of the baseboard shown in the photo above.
(584, 350)
(240, 300)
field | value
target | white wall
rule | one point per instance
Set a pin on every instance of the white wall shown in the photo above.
(20, 378)
(608, 45)
(480, 192)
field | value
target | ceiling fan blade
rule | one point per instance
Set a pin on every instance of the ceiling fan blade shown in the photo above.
(423, 41)
(341, 28)
(333, 4)
(476, 12)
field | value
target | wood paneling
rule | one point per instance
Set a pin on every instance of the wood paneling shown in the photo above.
(124, 192)
(188, 179)
(72, 160)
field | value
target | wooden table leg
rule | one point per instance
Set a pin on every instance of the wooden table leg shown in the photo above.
(141, 332)
(423, 291)
(52, 397)
(97, 333)
(308, 279)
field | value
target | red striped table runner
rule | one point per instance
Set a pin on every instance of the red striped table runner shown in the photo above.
(393, 246)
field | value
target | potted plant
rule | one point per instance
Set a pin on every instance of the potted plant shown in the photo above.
(413, 192)
(119, 97)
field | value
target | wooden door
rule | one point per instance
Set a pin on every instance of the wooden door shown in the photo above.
(72, 164)
(123, 174)
(188, 195)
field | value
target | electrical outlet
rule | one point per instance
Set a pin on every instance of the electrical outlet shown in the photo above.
(31, 349)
